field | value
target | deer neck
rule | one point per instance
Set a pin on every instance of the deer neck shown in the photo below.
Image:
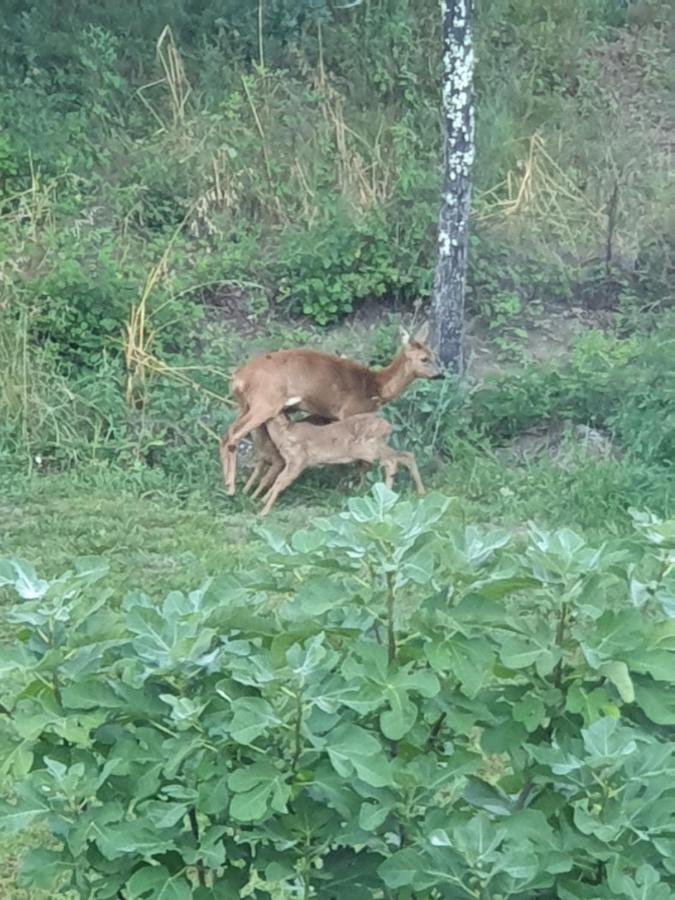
(393, 379)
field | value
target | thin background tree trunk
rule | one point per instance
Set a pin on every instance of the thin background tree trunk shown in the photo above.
(447, 310)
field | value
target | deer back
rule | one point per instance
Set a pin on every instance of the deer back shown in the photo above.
(317, 382)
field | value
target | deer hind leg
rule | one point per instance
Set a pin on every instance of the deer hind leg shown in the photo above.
(245, 424)
(284, 479)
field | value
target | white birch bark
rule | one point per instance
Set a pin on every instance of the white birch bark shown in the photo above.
(447, 307)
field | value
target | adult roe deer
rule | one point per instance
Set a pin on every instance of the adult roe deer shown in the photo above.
(322, 385)
(362, 437)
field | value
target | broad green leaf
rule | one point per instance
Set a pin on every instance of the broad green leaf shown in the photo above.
(614, 634)
(374, 770)
(15, 657)
(618, 674)
(213, 796)
(211, 849)
(592, 705)
(164, 814)
(23, 578)
(310, 657)
(487, 796)
(417, 567)
(90, 693)
(351, 748)
(252, 805)
(365, 510)
(658, 663)
(331, 789)
(657, 700)
(519, 653)
(530, 711)
(257, 788)
(606, 741)
(131, 837)
(401, 868)
(503, 738)
(372, 816)
(24, 813)
(592, 824)
(252, 717)
(521, 864)
(471, 660)
(477, 839)
(18, 761)
(43, 868)
(316, 596)
(397, 721)
(155, 883)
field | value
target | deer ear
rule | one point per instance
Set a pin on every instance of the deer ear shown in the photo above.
(422, 333)
(405, 337)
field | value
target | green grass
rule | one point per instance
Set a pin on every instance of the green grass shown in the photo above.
(157, 540)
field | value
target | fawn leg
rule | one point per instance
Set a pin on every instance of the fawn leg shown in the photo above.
(408, 460)
(273, 472)
(266, 454)
(288, 476)
(390, 467)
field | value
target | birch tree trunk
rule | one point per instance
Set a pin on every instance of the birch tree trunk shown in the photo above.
(447, 308)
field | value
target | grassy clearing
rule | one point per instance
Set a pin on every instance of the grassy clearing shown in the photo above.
(158, 541)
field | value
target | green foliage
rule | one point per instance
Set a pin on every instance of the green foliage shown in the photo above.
(253, 161)
(624, 386)
(325, 271)
(394, 698)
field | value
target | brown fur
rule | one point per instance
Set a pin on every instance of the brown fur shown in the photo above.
(362, 437)
(318, 383)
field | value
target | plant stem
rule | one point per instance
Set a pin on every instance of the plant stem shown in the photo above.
(559, 639)
(261, 52)
(57, 688)
(296, 731)
(194, 827)
(391, 608)
(435, 729)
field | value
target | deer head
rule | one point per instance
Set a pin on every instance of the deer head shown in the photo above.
(420, 360)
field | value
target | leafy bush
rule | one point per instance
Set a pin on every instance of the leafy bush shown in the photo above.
(624, 386)
(394, 702)
(336, 264)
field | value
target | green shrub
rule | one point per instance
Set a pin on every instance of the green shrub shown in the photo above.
(392, 700)
(623, 386)
(336, 264)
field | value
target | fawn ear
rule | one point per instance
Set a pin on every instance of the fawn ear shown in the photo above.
(405, 337)
(423, 333)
